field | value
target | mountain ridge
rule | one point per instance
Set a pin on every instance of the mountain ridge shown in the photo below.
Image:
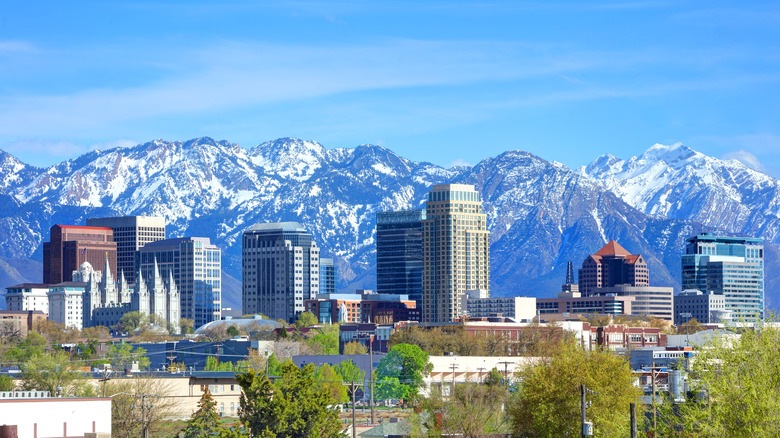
(541, 213)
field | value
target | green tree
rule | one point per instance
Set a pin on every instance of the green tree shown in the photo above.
(33, 345)
(295, 407)
(471, 410)
(547, 403)
(47, 372)
(326, 340)
(186, 326)
(127, 420)
(349, 371)
(131, 321)
(332, 381)
(213, 364)
(306, 319)
(122, 355)
(232, 331)
(402, 370)
(354, 348)
(494, 378)
(6, 383)
(204, 422)
(735, 387)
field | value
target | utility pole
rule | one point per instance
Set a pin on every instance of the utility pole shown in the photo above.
(453, 367)
(653, 376)
(479, 372)
(371, 372)
(582, 410)
(633, 420)
(353, 409)
(506, 372)
(106, 367)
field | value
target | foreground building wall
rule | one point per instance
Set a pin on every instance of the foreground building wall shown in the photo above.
(56, 417)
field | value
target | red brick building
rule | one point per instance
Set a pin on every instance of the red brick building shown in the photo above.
(70, 245)
(612, 265)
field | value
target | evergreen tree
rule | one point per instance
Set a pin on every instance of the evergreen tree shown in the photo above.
(295, 407)
(205, 421)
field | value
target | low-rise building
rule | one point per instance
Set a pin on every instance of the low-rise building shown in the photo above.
(517, 308)
(706, 308)
(28, 296)
(18, 322)
(572, 305)
(654, 301)
(55, 417)
(363, 307)
(373, 336)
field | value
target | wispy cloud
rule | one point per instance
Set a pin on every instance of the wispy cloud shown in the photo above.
(747, 159)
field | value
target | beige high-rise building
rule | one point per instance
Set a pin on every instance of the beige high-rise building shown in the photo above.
(456, 250)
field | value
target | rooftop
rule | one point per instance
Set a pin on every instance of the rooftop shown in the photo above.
(278, 226)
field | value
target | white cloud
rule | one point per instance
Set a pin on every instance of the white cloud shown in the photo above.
(747, 159)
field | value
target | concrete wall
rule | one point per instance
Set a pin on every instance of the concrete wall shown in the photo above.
(57, 417)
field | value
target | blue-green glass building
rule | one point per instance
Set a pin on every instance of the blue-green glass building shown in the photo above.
(730, 266)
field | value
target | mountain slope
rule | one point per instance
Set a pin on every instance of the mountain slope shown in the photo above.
(541, 214)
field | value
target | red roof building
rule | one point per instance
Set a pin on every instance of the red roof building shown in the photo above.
(611, 266)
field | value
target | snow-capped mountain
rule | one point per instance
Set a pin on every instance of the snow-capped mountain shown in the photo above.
(541, 214)
(678, 182)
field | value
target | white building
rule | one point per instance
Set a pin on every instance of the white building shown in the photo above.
(56, 417)
(518, 308)
(28, 296)
(65, 304)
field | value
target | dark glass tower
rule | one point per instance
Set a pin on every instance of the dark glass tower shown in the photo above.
(399, 259)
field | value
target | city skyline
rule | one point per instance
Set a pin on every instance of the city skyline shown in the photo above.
(438, 82)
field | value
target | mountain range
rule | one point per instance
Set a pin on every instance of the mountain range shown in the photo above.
(541, 214)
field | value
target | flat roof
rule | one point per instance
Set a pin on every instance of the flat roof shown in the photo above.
(275, 226)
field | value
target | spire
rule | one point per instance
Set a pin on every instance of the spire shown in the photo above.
(107, 278)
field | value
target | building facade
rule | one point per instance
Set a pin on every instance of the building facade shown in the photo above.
(518, 308)
(456, 250)
(131, 233)
(327, 276)
(706, 308)
(728, 266)
(70, 245)
(280, 269)
(572, 305)
(27, 297)
(653, 301)
(195, 265)
(612, 265)
(65, 303)
(17, 323)
(363, 308)
(399, 253)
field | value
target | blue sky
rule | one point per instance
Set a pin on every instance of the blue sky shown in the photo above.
(445, 82)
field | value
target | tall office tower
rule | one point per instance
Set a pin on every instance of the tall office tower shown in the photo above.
(456, 250)
(131, 233)
(280, 269)
(196, 267)
(611, 266)
(69, 246)
(327, 276)
(399, 253)
(729, 266)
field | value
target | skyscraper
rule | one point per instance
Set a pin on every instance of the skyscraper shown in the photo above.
(399, 253)
(456, 250)
(728, 266)
(196, 267)
(131, 233)
(327, 276)
(612, 265)
(70, 245)
(280, 269)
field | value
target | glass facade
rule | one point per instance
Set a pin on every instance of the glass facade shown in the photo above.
(399, 258)
(728, 266)
(327, 276)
